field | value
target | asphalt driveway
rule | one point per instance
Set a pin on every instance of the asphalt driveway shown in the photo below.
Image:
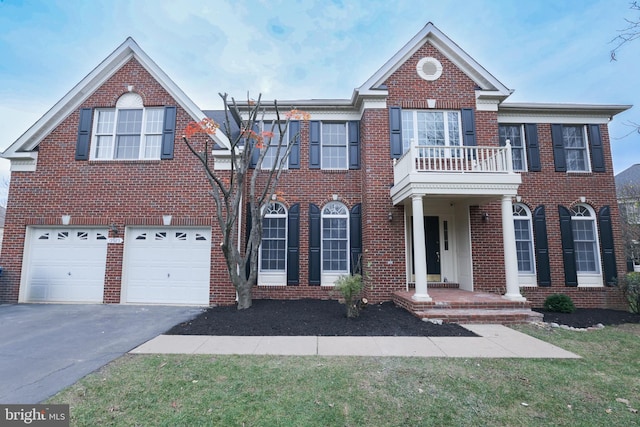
(47, 347)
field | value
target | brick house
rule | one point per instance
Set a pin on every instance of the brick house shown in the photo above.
(426, 178)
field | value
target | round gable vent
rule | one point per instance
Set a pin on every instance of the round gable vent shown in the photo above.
(429, 69)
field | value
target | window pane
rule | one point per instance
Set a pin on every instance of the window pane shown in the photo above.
(585, 246)
(524, 245)
(335, 238)
(407, 129)
(105, 121)
(129, 122)
(274, 247)
(454, 128)
(127, 147)
(334, 146)
(272, 146)
(514, 134)
(152, 146)
(575, 148)
(104, 147)
(155, 117)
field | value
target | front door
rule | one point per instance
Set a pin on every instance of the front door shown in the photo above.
(432, 235)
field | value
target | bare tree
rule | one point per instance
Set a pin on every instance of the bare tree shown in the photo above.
(244, 183)
(629, 202)
(5, 180)
(627, 34)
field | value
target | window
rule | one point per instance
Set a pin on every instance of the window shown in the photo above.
(430, 128)
(524, 239)
(585, 241)
(272, 143)
(129, 131)
(274, 239)
(515, 135)
(575, 148)
(335, 238)
(334, 146)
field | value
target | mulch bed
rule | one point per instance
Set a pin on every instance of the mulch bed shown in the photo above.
(328, 318)
(313, 317)
(586, 317)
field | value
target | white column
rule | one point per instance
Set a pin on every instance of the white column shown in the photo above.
(419, 251)
(510, 255)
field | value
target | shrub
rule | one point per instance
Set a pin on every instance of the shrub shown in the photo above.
(560, 303)
(631, 290)
(350, 287)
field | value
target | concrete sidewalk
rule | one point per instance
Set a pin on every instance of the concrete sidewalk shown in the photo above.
(494, 341)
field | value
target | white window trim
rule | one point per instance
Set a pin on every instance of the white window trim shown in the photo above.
(592, 280)
(587, 149)
(525, 160)
(415, 140)
(346, 147)
(329, 277)
(143, 134)
(528, 278)
(271, 277)
(266, 126)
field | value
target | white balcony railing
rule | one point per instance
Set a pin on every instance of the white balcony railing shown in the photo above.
(454, 159)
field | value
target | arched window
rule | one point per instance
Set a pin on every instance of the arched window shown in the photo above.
(524, 238)
(585, 239)
(273, 250)
(129, 131)
(335, 238)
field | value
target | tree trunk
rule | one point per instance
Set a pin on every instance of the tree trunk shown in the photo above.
(244, 296)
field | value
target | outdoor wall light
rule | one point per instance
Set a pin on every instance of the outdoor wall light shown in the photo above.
(390, 216)
(166, 219)
(113, 229)
(485, 216)
(66, 219)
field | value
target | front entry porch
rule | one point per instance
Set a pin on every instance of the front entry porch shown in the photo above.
(452, 305)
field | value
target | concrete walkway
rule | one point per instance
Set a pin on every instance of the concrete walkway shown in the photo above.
(494, 341)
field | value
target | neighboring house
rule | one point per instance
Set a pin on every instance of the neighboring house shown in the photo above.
(628, 193)
(425, 176)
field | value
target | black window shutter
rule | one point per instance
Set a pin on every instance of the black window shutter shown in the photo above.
(255, 154)
(543, 269)
(558, 148)
(354, 144)
(533, 149)
(597, 151)
(293, 245)
(294, 154)
(314, 144)
(568, 252)
(355, 238)
(468, 127)
(314, 244)
(606, 243)
(395, 129)
(84, 134)
(246, 239)
(168, 133)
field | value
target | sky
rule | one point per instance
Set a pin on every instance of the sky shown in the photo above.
(546, 50)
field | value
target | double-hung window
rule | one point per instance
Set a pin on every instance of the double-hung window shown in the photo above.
(334, 146)
(585, 240)
(127, 132)
(524, 239)
(335, 238)
(271, 135)
(575, 148)
(426, 127)
(515, 135)
(274, 239)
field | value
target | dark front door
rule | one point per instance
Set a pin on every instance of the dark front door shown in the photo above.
(432, 235)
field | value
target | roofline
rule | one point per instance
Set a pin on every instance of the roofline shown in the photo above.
(534, 107)
(448, 48)
(88, 85)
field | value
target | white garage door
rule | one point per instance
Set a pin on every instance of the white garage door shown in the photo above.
(167, 265)
(65, 265)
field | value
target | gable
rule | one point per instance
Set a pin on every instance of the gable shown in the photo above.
(22, 152)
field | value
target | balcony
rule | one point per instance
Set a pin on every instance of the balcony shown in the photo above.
(454, 170)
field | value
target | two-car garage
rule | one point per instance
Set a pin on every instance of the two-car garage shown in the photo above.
(160, 265)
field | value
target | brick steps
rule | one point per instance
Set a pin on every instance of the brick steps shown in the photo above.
(452, 305)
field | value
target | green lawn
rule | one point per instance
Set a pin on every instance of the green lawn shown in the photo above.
(150, 390)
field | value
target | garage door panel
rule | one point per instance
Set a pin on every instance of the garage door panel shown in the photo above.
(66, 265)
(167, 265)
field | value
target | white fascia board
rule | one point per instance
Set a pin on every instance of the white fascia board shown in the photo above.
(558, 113)
(448, 48)
(96, 78)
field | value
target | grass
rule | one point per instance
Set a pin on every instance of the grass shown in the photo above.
(187, 390)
